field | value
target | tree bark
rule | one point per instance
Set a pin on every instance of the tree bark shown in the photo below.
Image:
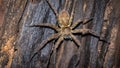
(18, 41)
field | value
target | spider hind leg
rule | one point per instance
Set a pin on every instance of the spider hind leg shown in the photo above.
(55, 49)
(75, 40)
(42, 45)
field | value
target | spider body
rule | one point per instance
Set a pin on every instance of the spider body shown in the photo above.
(65, 30)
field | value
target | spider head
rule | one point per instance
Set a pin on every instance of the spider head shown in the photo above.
(63, 19)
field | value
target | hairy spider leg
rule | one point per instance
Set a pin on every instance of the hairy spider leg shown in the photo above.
(58, 42)
(72, 13)
(79, 44)
(69, 4)
(79, 21)
(53, 8)
(50, 56)
(87, 20)
(65, 6)
(85, 31)
(88, 31)
(75, 40)
(46, 25)
(44, 42)
(55, 48)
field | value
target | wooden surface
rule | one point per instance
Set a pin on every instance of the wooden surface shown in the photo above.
(18, 41)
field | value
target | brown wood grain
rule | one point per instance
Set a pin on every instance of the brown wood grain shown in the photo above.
(18, 41)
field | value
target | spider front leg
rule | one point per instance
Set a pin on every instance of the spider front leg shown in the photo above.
(88, 31)
(44, 42)
(46, 25)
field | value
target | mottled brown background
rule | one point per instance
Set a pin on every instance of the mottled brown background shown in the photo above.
(17, 41)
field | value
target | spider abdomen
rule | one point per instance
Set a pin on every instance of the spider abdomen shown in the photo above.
(63, 18)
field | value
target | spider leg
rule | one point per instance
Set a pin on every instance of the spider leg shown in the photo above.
(69, 4)
(75, 40)
(53, 8)
(46, 25)
(65, 6)
(58, 42)
(77, 31)
(55, 49)
(88, 31)
(87, 20)
(79, 44)
(76, 23)
(72, 13)
(85, 31)
(50, 55)
(44, 42)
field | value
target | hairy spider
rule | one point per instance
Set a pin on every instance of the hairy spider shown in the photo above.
(65, 29)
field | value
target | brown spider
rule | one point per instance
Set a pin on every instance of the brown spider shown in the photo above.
(64, 29)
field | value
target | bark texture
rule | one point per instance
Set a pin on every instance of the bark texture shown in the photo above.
(18, 41)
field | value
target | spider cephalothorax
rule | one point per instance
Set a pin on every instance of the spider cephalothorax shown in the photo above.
(64, 28)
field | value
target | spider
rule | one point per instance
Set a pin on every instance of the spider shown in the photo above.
(65, 29)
